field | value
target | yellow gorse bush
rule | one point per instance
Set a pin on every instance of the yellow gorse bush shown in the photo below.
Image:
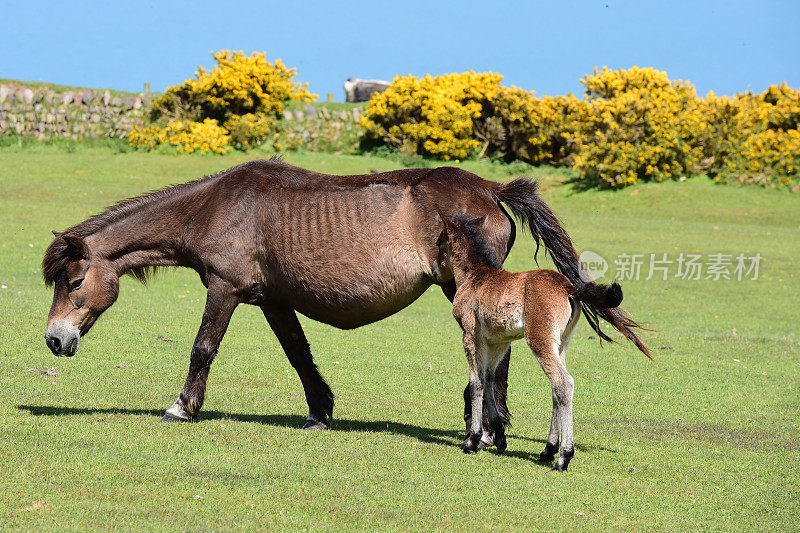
(237, 85)
(632, 125)
(431, 116)
(756, 136)
(641, 126)
(537, 130)
(183, 137)
(244, 93)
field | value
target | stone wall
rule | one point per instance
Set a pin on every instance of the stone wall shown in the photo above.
(310, 112)
(42, 113)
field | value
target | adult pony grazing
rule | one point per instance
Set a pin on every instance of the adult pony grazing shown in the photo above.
(494, 307)
(343, 250)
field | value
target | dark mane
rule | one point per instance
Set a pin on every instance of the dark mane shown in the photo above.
(273, 171)
(57, 253)
(477, 239)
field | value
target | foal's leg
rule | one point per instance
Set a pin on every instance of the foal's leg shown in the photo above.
(500, 382)
(293, 341)
(563, 387)
(220, 304)
(496, 423)
(476, 381)
(551, 447)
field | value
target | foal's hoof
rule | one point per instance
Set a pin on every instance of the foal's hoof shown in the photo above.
(472, 444)
(501, 444)
(563, 460)
(487, 441)
(172, 418)
(549, 453)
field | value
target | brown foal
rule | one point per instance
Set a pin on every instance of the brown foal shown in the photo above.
(495, 307)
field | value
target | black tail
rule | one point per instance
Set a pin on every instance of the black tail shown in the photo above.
(599, 295)
(522, 197)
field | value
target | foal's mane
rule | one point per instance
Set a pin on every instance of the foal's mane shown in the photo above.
(476, 239)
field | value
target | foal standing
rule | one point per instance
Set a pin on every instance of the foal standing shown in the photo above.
(494, 307)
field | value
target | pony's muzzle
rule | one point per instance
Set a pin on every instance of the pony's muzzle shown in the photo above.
(62, 339)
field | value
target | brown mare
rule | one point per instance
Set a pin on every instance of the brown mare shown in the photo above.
(343, 250)
(495, 307)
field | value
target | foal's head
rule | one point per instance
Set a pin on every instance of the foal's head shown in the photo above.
(463, 242)
(84, 287)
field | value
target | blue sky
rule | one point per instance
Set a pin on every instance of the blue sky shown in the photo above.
(544, 46)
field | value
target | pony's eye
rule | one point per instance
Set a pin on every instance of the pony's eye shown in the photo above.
(75, 285)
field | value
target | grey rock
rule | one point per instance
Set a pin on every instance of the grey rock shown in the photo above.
(3, 93)
(311, 111)
(137, 103)
(106, 97)
(298, 115)
(87, 97)
(288, 115)
(77, 99)
(358, 90)
(67, 97)
(27, 95)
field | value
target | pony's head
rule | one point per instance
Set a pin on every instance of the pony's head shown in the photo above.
(83, 287)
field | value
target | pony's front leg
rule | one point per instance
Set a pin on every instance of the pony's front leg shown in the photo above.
(220, 304)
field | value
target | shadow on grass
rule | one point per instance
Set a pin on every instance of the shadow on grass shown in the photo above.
(442, 437)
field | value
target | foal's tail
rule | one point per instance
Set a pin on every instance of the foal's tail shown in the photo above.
(522, 197)
(599, 295)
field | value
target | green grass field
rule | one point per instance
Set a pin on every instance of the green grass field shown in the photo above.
(707, 437)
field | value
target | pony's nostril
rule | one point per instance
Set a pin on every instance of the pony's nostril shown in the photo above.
(55, 342)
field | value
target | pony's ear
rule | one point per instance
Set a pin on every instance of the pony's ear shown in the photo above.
(57, 233)
(76, 247)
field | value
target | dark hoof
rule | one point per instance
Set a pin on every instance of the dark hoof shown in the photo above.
(472, 444)
(549, 453)
(546, 457)
(316, 425)
(563, 460)
(172, 418)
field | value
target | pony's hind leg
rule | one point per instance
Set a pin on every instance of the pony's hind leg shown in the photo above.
(319, 396)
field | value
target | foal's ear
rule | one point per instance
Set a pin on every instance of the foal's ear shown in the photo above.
(440, 219)
(76, 247)
(57, 233)
(480, 221)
